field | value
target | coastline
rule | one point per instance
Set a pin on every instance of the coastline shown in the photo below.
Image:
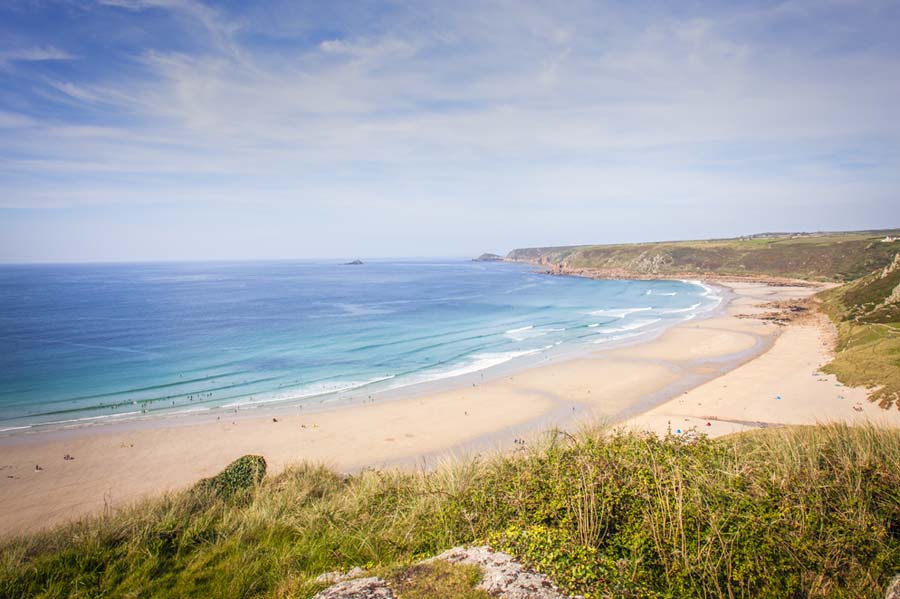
(653, 385)
(386, 388)
(392, 356)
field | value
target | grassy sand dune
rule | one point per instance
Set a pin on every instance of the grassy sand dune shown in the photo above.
(867, 315)
(794, 512)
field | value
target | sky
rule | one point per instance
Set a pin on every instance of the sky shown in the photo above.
(188, 130)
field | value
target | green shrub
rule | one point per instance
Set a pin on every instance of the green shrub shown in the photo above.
(240, 475)
(574, 567)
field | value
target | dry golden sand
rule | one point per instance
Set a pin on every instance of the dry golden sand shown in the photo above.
(114, 466)
(781, 386)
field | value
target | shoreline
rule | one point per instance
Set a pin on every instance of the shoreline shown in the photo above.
(637, 386)
(285, 406)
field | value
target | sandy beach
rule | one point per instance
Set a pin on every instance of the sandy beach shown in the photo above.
(718, 375)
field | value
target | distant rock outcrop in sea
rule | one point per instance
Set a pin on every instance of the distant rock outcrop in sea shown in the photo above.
(354, 263)
(488, 258)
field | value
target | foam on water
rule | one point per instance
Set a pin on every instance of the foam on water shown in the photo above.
(522, 333)
(317, 390)
(637, 324)
(619, 312)
(613, 338)
(680, 310)
(478, 362)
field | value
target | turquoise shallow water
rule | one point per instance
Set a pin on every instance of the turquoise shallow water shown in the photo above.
(85, 343)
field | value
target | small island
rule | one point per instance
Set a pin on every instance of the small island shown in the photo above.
(354, 262)
(488, 258)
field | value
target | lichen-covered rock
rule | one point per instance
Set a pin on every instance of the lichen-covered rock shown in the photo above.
(243, 473)
(338, 576)
(503, 576)
(360, 588)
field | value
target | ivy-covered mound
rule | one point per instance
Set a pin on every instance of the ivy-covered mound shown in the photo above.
(240, 475)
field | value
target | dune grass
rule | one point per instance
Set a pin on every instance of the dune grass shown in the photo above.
(797, 512)
(868, 326)
(868, 355)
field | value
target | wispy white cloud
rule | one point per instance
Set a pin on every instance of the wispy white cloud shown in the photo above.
(218, 28)
(666, 82)
(13, 120)
(35, 54)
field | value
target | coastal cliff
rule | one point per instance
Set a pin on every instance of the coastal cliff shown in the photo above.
(836, 257)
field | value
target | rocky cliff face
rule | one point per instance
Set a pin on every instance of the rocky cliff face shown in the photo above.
(894, 267)
(875, 298)
(652, 263)
(835, 257)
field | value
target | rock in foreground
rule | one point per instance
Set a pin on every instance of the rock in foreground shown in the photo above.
(502, 577)
(360, 588)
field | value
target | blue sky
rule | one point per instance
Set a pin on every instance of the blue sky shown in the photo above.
(177, 129)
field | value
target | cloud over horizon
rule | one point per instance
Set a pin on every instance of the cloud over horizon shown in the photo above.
(163, 129)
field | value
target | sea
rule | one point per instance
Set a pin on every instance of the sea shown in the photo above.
(91, 343)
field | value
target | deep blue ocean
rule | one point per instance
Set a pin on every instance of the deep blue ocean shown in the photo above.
(86, 343)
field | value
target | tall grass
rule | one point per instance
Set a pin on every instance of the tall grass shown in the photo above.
(868, 346)
(795, 512)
